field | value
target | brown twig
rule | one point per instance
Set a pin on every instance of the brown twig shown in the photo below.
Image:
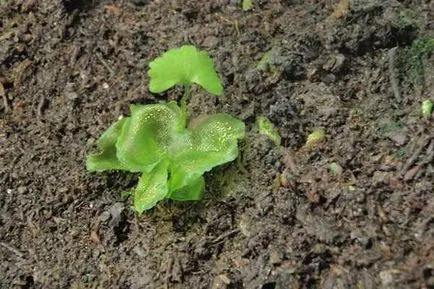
(414, 156)
(393, 77)
(40, 107)
(105, 64)
(224, 236)
(429, 154)
(5, 99)
(12, 249)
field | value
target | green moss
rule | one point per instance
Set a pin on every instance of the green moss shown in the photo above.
(413, 59)
(388, 126)
(400, 154)
(405, 21)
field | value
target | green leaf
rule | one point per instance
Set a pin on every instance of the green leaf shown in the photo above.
(147, 135)
(106, 159)
(191, 192)
(152, 188)
(218, 132)
(214, 142)
(184, 66)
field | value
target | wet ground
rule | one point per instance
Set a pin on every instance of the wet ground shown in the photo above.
(352, 211)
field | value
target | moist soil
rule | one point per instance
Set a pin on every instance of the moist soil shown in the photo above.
(353, 210)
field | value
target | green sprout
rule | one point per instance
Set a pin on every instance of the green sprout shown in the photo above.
(247, 5)
(335, 168)
(427, 106)
(267, 128)
(155, 141)
(315, 137)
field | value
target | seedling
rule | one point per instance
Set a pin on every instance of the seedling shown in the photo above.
(267, 128)
(315, 137)
(427, 106)
(155, 141)
(247, 5)
(336, 169)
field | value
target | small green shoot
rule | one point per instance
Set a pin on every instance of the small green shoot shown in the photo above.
(335, 169)
(267, 128)
(427, 106)
(155, 141)
(317, 136)
(269, 60)
(247, 5)
(265, 60)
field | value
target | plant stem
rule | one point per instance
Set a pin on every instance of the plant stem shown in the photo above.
(184, 102)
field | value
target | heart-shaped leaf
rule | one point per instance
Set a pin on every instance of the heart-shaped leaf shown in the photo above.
(184, 66)
(147, 135)
(213, 142)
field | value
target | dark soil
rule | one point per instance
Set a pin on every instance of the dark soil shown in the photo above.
(278, 218)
